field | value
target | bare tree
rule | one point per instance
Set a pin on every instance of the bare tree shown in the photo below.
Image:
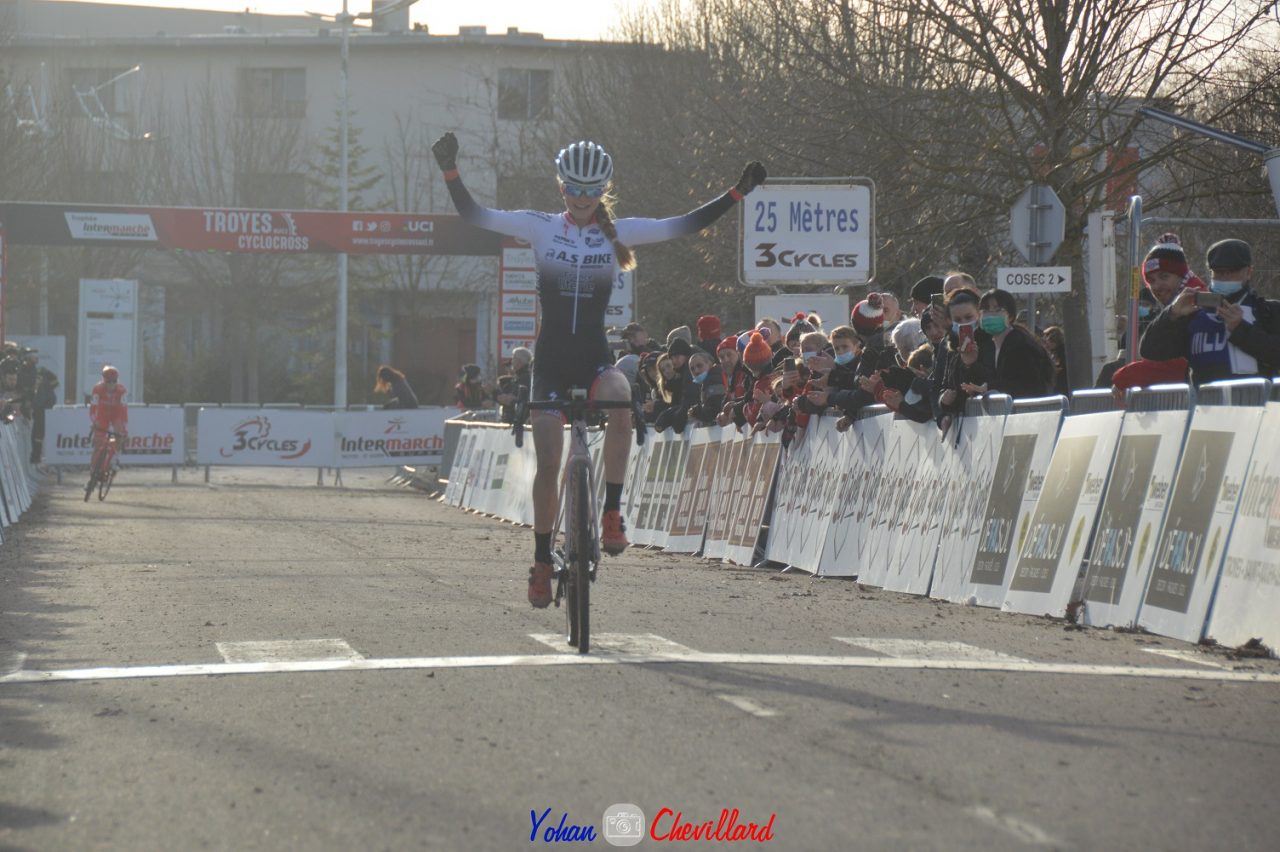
(952, 106)
(230, 156)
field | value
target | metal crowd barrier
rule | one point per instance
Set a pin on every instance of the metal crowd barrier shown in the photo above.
(1234, 392)
(1175, 397)
(1092, 401)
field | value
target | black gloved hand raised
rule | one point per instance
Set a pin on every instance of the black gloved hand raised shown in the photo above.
(752, 176)
(445, 150)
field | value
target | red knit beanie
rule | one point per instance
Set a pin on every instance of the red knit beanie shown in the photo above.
(730, 342)
(757, 355)
(867, 317)
(1166, 256)
(708, 327)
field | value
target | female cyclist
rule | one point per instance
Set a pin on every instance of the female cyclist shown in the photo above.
(577, 255)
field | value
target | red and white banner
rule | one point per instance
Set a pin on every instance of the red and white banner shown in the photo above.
(234, 230)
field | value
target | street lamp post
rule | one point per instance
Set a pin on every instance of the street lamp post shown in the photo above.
(345, 19)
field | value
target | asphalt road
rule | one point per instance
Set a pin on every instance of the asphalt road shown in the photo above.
(134, 716)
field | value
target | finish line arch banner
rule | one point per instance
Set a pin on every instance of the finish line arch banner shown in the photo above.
(1052, 545)
(1132, 512)
(265, 437)
(1247, 604)
(254, 231)
(156, 436)
(1193, 539)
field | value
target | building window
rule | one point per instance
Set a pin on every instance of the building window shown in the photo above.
(271, 190)
(93, 87)
(524, 94)
(273, 92)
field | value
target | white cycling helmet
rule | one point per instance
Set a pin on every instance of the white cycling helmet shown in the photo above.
(584, 163)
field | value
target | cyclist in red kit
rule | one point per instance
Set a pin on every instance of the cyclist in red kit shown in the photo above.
(108, 410)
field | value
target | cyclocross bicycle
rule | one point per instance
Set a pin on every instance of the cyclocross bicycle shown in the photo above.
(578, 555)
(102, 471)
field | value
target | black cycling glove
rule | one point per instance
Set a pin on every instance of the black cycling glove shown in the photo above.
(446, 151)
(752, 176)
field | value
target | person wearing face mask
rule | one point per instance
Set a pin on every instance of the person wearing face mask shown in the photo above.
(962, 310)
(1166, 273)
(1006, 357)
(690, 402)
(1238, 338)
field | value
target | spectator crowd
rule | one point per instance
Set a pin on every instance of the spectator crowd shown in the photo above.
(27, 391)
(947, 340)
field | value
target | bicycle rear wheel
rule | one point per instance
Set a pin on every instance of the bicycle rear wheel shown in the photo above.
(579, 548)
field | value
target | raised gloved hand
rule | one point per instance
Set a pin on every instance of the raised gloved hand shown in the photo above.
(752, 176)
(445, 150)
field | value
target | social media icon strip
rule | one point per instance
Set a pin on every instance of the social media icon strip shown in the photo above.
(623, 825)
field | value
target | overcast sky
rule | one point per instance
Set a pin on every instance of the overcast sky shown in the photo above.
(577, 19)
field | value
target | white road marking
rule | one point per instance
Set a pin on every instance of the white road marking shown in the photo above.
(1188, 657)
(13, 664)
(1019, 828)
(287, 650)
(622, 644)
(572, 659)
(746, 705)
(926, 649)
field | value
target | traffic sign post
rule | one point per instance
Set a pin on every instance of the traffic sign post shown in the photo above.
(1037, 226)
(1030, 280)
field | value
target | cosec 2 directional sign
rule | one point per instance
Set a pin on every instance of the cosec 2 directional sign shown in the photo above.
(795, 232)
(1028, 280)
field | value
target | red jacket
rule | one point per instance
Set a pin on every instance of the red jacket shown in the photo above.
(107, 408)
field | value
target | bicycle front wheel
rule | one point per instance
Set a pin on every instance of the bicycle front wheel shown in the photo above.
(95, 471)
(579, 550)
(104, 484)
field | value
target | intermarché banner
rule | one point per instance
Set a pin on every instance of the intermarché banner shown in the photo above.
(390, 437)
(235, 230)
(156, 436)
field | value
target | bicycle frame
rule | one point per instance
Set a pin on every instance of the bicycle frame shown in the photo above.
(579, 456)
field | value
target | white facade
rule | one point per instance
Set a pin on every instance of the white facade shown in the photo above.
(285, 71)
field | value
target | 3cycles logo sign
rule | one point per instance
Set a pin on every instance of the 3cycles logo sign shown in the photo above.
(624, 824)
(254, 436)
(793, 259)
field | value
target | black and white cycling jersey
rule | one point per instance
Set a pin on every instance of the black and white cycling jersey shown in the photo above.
(575, 269)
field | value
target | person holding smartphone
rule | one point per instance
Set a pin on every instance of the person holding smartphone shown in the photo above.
(1229, 332)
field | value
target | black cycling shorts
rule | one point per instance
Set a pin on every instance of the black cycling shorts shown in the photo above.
(551, 384)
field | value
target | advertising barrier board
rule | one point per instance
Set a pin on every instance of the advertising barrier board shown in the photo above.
(1050, 552)
(1132, 512)
(156, 437)
(964, 494)
(1247, 604)
(390, 437)
(1193, 539)
(229, 436)
(1024, 456)
(844, 553)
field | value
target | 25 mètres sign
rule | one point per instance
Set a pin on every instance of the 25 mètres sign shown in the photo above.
(801, 232)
